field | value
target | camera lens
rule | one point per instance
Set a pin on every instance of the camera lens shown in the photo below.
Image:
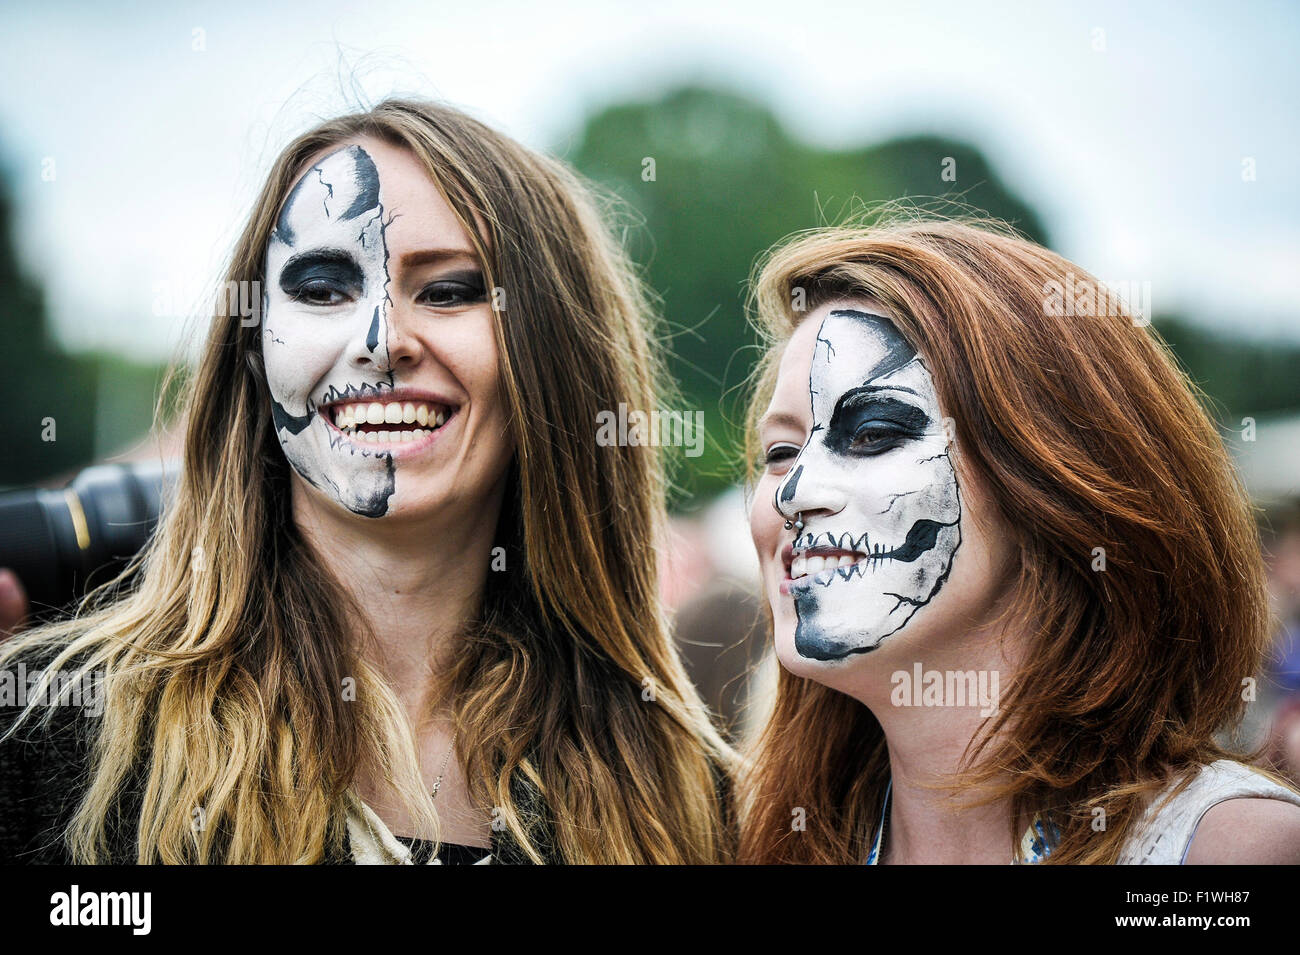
(62, 542)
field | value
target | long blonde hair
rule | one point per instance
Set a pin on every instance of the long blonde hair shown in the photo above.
(225, 644)
(1084, 433)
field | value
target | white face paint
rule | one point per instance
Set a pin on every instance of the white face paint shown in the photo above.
(327, 329)
(876, 487)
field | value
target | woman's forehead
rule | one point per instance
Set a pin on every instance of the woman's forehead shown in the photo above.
(343, 178)
(851, 336)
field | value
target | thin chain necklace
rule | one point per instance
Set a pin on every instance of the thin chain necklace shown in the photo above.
(437, 783)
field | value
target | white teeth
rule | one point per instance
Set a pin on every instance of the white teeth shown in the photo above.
(803, 566)
(390, 437)
(426, 416)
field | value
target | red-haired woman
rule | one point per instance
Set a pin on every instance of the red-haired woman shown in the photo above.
(1015, 586)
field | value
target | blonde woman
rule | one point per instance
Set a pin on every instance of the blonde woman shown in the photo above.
(402, 608)
(1015, 586)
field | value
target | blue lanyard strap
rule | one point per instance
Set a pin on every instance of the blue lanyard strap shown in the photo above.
(873, 856)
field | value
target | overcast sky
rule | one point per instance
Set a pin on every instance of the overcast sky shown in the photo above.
(1125, 124)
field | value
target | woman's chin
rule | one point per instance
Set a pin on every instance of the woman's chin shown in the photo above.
(836, 663)
(800, 663)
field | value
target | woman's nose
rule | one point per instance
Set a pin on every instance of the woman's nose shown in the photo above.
(811, 487)
(385, 342)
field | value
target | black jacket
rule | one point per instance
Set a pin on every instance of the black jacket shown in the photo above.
(43, 777)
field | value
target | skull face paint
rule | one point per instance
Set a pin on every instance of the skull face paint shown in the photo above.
(876, 487)
(329, 239)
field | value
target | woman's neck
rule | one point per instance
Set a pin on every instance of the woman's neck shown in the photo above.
(930, 713)
(929, 825)
(418, 582)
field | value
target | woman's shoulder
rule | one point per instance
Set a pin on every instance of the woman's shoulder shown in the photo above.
(44, 695)
(1247, 831)
(1231, 810)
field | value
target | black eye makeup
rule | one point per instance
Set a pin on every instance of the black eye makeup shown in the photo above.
(867, 421)
(455, 289)
(322, 277)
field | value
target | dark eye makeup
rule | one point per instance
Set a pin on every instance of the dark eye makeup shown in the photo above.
(331, 276)
(868, 421)
(455, 288)
(321, 277)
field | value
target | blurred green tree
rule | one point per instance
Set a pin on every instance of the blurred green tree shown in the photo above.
(49, 392)
(715, 179)
(63, 408)
(1241, 376)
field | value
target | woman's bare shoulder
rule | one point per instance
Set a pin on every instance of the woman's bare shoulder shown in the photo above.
(1247, 830)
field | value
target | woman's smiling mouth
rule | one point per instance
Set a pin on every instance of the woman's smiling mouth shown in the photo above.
(851, 556)
(393, 424)
(817, 559)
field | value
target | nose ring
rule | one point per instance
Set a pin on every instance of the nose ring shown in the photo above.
(797, 523)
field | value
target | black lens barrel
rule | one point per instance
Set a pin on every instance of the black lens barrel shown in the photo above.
(62, 542)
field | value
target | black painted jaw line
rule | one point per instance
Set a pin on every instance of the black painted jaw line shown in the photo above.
(823, 654)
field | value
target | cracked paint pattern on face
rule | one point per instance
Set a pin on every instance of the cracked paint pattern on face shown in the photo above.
(329, 244)
(876, 483)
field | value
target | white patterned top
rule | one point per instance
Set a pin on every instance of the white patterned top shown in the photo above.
(374, 844)
(1165, 832)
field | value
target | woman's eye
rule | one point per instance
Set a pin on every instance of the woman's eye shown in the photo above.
(875, 438)
(450, 293)
(318, 292)
(780, 454)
